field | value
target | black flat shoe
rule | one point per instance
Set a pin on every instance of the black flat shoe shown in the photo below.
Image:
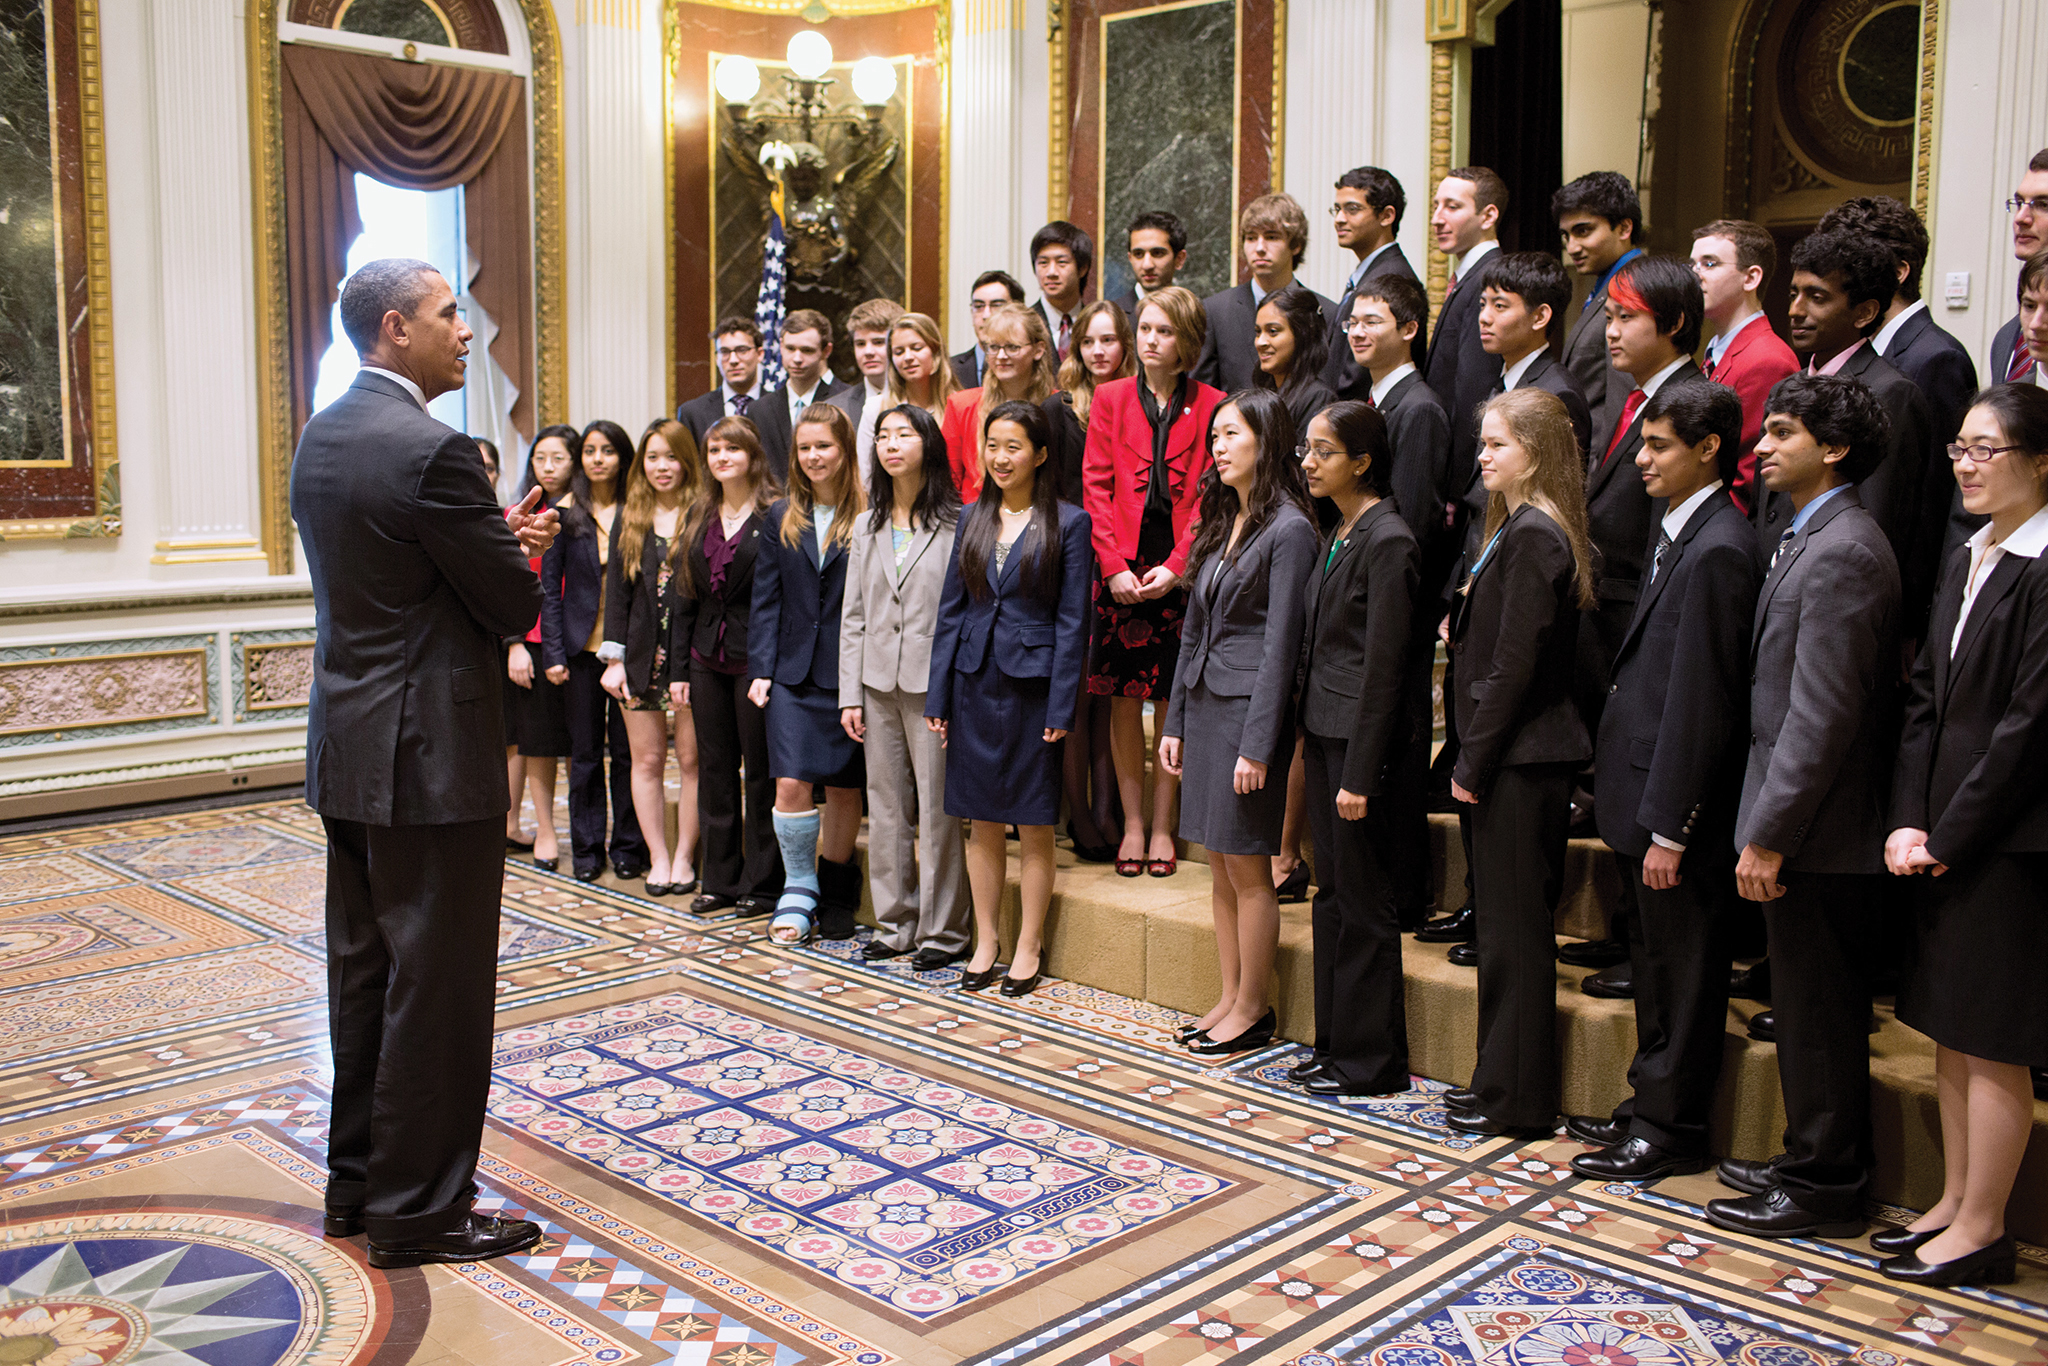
(710, 902)
(1464, 955)
(1014, 987)
(1593, 953)
(1294, 887)
(1612, 984)
(1311, 1066)
(931, 960)
(1773, 1215)
(1601, 1133)
(551, 864)
(629, 871)
(657, 888)
(751, 906)
(1997, 1264)
(684, 888)
(1749, 1177)
(1472, 1122)
(477, 1238)
(1897, 1240)
(981, 981)
(1258, 1036)
(342, 1221)
(1636, 1159)
(875, 951)
(1455, 928)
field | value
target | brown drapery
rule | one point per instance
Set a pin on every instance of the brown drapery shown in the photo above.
(420, 127)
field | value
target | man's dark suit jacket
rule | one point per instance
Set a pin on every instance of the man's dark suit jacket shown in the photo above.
(1826, 634)
(1228, 361)
(1419, 433)
(1545, 374)
(1462, 374)
(1584, 354)
(1127, 300)
(1925, 353)
(702, 413)
(2002, 345)
(1895, 493)
(416, 581)
(771, 415)
(1674, 731)
(967, 369)
(1341, 372)
(1357, 637)
(1620, 515)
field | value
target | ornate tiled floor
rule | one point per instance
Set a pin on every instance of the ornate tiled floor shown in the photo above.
(751, 1156)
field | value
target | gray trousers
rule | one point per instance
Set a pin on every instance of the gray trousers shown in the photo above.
(917, 862)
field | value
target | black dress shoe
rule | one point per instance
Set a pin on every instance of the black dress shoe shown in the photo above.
(628, 871)
(1324, 1084)
(1455, 928)
(1763, 1026)
(751, 906)
(1464, 955)
(1897, 1240)
(1601, 1133)
(876, 951)
(1293, 887)
(978, 981)
(1310, 1066)
(343, 1221)
(1472, 1122)
(708, 903)
(548, 863)
(1612, 984)
(1459, 1098)
(1751, 983)
(589, 874)
(1636, 1159)
(1258, 1036)
(1997, 1264)
(475, 1239)
(929, 959)
(1773, 1215)
(1593, 953)
(1751, 1178)
(1013, 987)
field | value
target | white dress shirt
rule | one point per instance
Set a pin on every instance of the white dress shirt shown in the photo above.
(418, 395)
(1512, 376)
(1394, 377)
(1462, 266)
(1883, 340)
(2027, 542)
(726, 394)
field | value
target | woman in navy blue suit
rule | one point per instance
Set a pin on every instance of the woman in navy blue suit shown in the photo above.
(793, 658)
(1008, 656)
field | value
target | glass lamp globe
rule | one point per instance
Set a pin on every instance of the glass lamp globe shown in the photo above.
(874, 81)
(738, 79)
(810, 54)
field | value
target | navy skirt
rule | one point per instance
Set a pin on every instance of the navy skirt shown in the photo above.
(806, 741)
(998, 765)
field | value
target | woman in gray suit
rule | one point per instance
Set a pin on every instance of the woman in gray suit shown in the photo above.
(895, 573)
(1233, 691)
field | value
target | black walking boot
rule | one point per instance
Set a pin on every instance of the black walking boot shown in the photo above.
(838, 897)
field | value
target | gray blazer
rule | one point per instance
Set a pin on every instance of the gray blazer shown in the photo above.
(885, 628)
(1823, 663)
(1244, 638)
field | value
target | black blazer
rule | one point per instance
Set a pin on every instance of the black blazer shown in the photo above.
(1228, 361)
(1069, 447)
(967, 369)
(571, 581)
(1127, 300)
(1620, 517)
(1341, 371)
(1974, 756)
(695, 622)
(416, 581)
(1516, 634)
(1674, 730)
(1545, 374)
(1462, 374)
(702, 413)
(793, 635)
(1419, 436)
(632, 607)
(1924, 352)
(771, 415)
(2002, 344)
(1584, 357)
(1305, 402)
(1357, 634)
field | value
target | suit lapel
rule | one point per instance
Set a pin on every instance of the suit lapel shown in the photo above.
(920, 541)
(2003, 578)
(1594, 309)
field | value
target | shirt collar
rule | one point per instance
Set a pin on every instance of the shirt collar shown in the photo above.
(1380, 387)
(1631, 254)
(1805, 514)
(1656, 381)
(418, 395)
(2028, 542)
(1358, 274)
(1883, 339)
(1676, 518)
(1461, 266)
(1841, 359)
(816, 391)
(1717, 347)
(1512, 376)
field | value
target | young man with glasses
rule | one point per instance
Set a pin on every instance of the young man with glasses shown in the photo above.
(1366, 214)
(2012, 358)
(737, 346)
(992, 289)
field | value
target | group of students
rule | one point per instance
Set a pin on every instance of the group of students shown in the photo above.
(1680, 602)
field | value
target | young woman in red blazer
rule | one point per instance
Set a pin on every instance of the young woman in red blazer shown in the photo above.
(1147, 452)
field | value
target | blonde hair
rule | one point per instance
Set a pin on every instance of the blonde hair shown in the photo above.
(638, 516)
(1075, 377)
(1190, 321)
(803, 494)
(1045, 380)
(944, 385)
(1555, 480)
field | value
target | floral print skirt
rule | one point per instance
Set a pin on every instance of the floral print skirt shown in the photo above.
(1136, 644)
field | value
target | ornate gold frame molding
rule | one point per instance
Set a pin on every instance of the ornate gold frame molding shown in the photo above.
(273, 349)
(1927, 114)
(1453, 28)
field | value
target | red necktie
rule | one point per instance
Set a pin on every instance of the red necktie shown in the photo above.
(1063, 336)
(1630, 406)
(2022, 360)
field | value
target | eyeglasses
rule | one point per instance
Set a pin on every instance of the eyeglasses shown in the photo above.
(735, 352)
(1350, 210)
(1355, 327)
(1305, 450)
(2038, 204)
(1002, 351)
(1977, 454)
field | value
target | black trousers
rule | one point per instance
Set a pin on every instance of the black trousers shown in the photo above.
(412, 953)
(1821, 952)
(1361, 1014)
(597, 726)
(735, 816)
(1407, 795)
(1679, 962)
(1519, 831)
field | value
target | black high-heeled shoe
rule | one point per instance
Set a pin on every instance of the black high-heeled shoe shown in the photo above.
(1258, 1036)
(1997, 1264)
(981, 981)
(1294, 887)
(1187, 1032)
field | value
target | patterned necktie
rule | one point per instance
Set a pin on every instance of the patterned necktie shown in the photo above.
(1064, 326)
(740, 404)
(1783, 541)
(2022, 360)
(1630, 406)
(1657, 555)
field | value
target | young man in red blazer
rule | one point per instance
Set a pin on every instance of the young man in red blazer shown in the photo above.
(1733, 257)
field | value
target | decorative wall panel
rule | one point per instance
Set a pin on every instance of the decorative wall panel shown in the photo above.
(100, 688)
(57, 468)
(273, 674)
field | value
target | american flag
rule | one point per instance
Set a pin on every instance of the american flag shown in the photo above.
(768, 309)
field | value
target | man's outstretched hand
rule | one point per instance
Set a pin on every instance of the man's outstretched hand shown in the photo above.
(535, 530)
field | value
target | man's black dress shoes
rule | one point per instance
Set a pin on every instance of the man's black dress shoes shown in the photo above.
(1997, 1264)
(1601, 1133)
(1751, 1178)
(589, 874)
(1751, 983)
(628, 871)
(1773, 1215)
(1464, 955)
(1455, 928)
(929, 959)
(1323, 1084)
(1308, 1067)
(1459, 1098)
(475, 1239)
(1472, 1122)
(1763, 1026)
(1613, 984)
(343, 1221)
(1636, 1159)
(1593, 953)
(878, 951)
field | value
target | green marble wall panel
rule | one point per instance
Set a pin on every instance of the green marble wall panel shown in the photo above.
(31, 337)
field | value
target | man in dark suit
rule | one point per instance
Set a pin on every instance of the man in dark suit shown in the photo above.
(1464, 221)
(806, 347)
(2012, 359)
(1841, 283)
(1273, 232)
(1671, 747)
(417, 576)
(738, 344)
(1732, 258)
(1823, 660)
(1522, 298)
(1063, 259)
(1158, 248)
(1367, 213)
(992, 289)
(1600, 219)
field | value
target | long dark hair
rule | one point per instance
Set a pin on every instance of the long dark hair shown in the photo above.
(1303, 314)
(1361, 430)
(979, 526)
(1276, 480)
(938, 497)
(731, 431)
(581, 516)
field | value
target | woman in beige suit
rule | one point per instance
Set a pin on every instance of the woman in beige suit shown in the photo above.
(894, 575)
